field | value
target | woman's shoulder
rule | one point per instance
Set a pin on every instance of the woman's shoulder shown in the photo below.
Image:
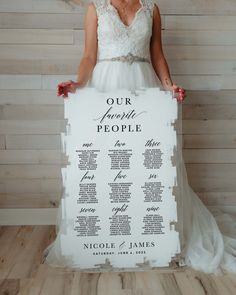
(98, 3)
(95, 5)
(148, 3)
(151, 5)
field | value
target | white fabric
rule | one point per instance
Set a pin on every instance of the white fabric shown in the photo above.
(208, 238)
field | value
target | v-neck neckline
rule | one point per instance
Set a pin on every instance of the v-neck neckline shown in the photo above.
(117, 13)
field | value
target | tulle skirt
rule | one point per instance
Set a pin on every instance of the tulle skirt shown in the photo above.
(207, 236)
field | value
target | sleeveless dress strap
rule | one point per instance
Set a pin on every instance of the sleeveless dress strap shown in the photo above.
(100, 5)
(148, 5)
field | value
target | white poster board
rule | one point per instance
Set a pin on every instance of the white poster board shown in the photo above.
(119, 210)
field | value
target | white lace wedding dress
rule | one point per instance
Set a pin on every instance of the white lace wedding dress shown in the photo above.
(207, 238)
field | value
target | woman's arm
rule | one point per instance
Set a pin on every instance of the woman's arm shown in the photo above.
(158, 59)
(89, 58)
(157, 56)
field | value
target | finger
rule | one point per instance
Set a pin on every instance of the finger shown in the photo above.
(61, 91)
(65, 83)
(68, 88)
(176, 89)
(65, 94)
(181, 98)
(174, 86)
(178, 97)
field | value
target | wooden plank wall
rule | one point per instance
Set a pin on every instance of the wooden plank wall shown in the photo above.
(41, 44)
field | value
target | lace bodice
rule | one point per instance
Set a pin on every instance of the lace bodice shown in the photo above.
(116, 38)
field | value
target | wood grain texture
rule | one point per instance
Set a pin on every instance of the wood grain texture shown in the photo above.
(24, 271)
(41, 44)
(181, 7)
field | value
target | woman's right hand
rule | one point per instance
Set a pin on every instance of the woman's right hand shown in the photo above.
(178, 92)
(65, 87)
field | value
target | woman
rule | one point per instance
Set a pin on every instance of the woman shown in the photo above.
(123, 49)
(127, 12)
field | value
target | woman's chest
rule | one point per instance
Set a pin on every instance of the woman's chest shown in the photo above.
(110, 26)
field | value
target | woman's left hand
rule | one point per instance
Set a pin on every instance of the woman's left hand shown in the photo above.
(178, 92)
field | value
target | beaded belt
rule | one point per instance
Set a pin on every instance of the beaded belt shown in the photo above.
(130, 58)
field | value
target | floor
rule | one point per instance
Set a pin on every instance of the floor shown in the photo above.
(22, 272)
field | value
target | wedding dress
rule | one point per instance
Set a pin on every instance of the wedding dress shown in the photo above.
(207, 238)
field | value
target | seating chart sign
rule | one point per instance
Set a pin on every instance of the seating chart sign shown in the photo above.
(118, 208)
